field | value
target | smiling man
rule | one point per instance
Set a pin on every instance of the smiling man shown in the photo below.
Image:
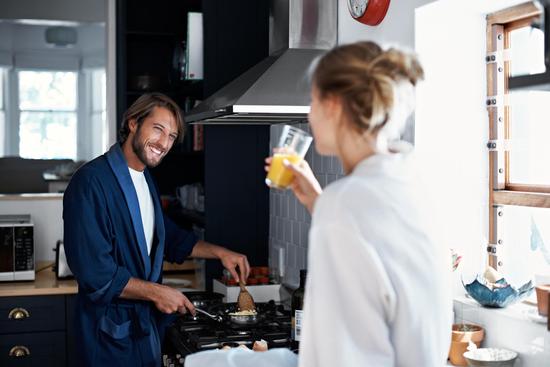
(116, 238)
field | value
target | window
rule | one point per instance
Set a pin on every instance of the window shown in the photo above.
(519, 238)
(530, 132)
(47, 114)
(526, 246)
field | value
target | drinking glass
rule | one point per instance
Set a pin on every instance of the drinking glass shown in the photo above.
(293, 145)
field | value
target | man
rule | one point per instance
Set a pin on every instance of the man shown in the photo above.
(116, 238)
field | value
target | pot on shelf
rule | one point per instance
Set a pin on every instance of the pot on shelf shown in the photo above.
(462, 334)
(542, 298)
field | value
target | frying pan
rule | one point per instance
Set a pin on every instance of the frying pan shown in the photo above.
(226, 309)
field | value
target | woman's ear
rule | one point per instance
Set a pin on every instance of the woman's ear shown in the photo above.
(334, 107)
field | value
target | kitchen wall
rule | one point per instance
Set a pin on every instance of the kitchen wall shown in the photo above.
(397, 28)
(452, 127)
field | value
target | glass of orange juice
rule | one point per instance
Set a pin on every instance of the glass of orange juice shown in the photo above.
(293, 145)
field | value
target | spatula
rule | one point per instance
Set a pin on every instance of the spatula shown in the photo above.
(245, 300)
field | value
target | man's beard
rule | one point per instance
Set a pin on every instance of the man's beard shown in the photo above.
(139, 150)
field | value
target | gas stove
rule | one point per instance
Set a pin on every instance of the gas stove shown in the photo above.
(190, 334)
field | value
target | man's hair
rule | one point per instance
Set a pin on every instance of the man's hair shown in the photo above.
(143, 107)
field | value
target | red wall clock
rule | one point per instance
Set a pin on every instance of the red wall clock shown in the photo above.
(370, 12)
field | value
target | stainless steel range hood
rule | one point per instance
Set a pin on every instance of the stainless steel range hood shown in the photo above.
(276, 90)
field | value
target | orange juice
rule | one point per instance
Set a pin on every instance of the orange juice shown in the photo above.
(278, 176)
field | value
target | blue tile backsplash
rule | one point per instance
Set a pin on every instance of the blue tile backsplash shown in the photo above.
(289, 221)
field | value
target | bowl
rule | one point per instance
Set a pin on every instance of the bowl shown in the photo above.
(491, 357)
(498, 294)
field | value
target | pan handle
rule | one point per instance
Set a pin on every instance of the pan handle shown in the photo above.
(213, 317)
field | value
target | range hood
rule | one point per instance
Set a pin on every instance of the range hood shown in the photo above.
(539, 81)
(276, 90)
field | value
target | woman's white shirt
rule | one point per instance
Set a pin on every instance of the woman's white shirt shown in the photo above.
(378, 290)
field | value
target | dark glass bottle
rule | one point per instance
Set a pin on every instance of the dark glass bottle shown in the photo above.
(297, 305)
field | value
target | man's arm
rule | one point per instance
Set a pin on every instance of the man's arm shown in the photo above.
(168, 300)
(229, 259)
(181, 243)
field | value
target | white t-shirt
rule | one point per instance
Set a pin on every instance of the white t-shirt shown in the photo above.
(378, 290)
(147, 210)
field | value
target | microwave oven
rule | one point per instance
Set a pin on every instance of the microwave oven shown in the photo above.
(16, 248)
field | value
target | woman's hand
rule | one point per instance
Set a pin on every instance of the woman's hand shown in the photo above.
(304, 184)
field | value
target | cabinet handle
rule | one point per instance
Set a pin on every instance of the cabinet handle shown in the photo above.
(19, 351)
(18, 313)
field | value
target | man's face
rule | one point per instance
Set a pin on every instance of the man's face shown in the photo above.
(155, 136)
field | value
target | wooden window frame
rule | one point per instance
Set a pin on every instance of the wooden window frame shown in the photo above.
(502, 192)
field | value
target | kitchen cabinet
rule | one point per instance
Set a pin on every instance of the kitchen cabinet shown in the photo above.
(236, 37)
(36, 318)
(33, 349)
(33, 331)
(28, 314)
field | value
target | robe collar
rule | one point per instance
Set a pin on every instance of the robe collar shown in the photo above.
(119, 166)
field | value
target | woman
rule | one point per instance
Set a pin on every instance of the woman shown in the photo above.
(376, 293)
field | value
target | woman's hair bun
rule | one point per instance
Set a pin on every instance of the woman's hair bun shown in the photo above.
(365, 77)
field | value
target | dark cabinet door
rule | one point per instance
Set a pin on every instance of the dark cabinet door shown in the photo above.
(31, 314)
(37, 349)
(71, 342)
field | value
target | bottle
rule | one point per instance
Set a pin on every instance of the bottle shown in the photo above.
(297, 305)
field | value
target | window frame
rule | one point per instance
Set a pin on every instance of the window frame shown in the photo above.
(502, 192)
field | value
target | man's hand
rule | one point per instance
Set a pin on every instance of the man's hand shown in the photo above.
(230, 259)
(167, 300)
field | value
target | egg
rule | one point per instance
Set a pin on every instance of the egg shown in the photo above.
(259, 346)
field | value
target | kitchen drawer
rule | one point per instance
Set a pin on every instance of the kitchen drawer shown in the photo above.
(44, 349)
(30, 314)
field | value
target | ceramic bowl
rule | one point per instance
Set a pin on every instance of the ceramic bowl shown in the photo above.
(491, 357)
(502, 295)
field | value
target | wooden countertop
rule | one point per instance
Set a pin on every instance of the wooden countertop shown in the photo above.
(45, 282)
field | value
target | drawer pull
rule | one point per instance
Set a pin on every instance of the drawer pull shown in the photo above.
(18, 314)
(19, 351)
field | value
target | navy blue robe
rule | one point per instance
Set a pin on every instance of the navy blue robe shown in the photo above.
(105, 246)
